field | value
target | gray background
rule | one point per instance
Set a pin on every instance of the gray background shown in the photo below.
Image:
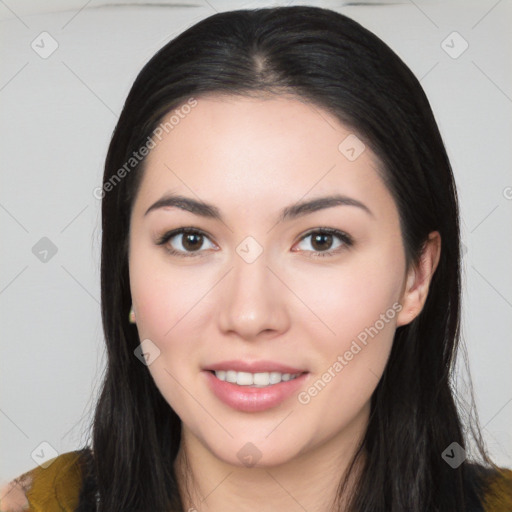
(57, 116)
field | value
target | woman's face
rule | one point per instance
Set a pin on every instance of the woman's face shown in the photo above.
(253, 286)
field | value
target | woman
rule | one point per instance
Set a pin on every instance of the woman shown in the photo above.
(280, 286)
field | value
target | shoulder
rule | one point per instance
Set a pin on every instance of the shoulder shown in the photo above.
(56, 486)
(498, 491)
(488, 488)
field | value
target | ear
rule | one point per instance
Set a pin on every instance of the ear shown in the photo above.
(419, 276)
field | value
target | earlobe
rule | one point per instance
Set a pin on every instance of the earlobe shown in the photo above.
(418, 280)
(131, 316)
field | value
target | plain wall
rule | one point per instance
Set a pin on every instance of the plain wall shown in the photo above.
(57, 116)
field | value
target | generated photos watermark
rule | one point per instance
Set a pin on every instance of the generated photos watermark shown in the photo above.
(305, 397)
(137, 156)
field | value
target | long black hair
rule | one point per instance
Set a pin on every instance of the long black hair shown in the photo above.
(332, 62)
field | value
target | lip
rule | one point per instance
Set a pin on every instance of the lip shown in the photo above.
(254, 367)
(253, 399)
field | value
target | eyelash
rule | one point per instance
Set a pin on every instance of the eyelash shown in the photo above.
(344, 237)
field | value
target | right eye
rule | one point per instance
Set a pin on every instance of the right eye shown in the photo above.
(191, 242)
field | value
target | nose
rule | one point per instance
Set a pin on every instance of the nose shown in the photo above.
(253, 300)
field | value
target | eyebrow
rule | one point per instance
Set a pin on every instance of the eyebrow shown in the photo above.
(290, 212)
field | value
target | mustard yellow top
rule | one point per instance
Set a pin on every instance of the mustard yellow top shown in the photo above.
(56, 488)
(53, 488)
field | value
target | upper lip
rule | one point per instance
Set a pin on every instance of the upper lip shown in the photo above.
(254, 367)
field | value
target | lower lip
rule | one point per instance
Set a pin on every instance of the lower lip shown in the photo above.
(253, 399)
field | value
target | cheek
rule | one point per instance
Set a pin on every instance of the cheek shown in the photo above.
(162, 293)
(358, 306)
(362, 311)
(349, 298)
(172, 310)
(164, 303)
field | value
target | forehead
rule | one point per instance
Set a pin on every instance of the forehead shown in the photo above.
(245, 151)
(274, 128)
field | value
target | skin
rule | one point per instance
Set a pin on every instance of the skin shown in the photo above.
(251, 158)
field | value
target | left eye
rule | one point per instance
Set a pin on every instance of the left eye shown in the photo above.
(322, 239)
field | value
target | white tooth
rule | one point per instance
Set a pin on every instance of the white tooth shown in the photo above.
(275, 377)
(244, 379)
(261, 379)
(231, 376)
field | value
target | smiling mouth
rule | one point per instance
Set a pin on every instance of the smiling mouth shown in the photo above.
(251, 392)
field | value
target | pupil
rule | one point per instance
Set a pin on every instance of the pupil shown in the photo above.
(321, 236)
(192, 246)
